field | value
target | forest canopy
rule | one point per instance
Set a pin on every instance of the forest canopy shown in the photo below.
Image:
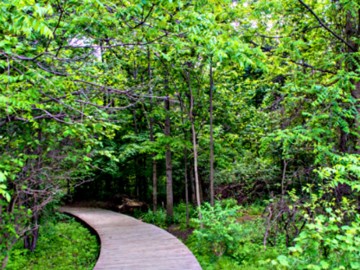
(167, 101)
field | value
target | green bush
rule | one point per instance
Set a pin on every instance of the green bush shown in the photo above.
(226, 239)
(218, 226)
(325, 244)
(62, 245)
(157, 218)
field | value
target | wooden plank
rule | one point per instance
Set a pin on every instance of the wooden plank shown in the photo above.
(130, 244)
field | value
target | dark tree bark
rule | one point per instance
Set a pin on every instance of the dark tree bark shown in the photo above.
(136, 161)
(152, 139)
(154, 182)
(194, 142)
(185, 162)
(192, 183)
(186, 187)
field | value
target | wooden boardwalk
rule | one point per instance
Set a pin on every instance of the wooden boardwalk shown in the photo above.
(130, 244)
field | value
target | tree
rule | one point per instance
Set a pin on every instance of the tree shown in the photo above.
(211, 136)
(52, 120)
(169, 179)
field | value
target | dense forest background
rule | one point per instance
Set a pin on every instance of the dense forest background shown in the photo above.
(183, 101)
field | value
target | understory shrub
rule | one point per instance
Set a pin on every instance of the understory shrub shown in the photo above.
(157, 217)
(228, 238)
(218, 226)
(326, 243)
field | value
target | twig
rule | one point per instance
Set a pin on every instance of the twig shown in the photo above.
(326, 27)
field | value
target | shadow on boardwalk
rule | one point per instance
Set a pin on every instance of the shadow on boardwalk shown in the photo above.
(130, 244)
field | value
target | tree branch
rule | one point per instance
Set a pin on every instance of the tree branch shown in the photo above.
(326, 27)
(312, 67)
(143, 20)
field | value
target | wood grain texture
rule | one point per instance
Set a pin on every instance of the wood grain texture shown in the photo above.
(128, 243)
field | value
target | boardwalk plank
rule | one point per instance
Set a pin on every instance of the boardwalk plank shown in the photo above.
(130, 244)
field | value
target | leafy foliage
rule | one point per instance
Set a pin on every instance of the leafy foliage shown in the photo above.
(325, 244)
(65, 244)
(81, 97)
(227, 236)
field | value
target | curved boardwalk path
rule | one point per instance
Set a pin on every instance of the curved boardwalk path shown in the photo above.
(130, 244)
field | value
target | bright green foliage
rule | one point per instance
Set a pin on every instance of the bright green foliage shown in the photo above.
(227, 237)
(325, 244)
(83, 82)
(3, 187)
(220, 226)
(50, 125)
(65, 244)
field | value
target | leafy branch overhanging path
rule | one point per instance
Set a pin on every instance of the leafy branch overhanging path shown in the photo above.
(128, 243)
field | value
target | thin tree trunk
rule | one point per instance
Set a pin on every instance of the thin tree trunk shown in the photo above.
(154, 181)
(197, 186)
(193, 132)
(186, 188)
(136, 162)
(152, 139)
(137, 178)
(144, 181)
(5, 261)
(192, 183)
(283, 179)
(185, 162)
(201, 189)
(169, 181)
(211, 137)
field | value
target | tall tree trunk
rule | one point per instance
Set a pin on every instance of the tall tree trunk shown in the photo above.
(192, 183)
(152, 139)
(197, 184)
(211, 136)
(349, 142)
(137, 178)
(185, 161)
(154, 182)
(356, 92)
(186, 187)
(169, 181)
(144, 180)
(136, 162)
(193, 133)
